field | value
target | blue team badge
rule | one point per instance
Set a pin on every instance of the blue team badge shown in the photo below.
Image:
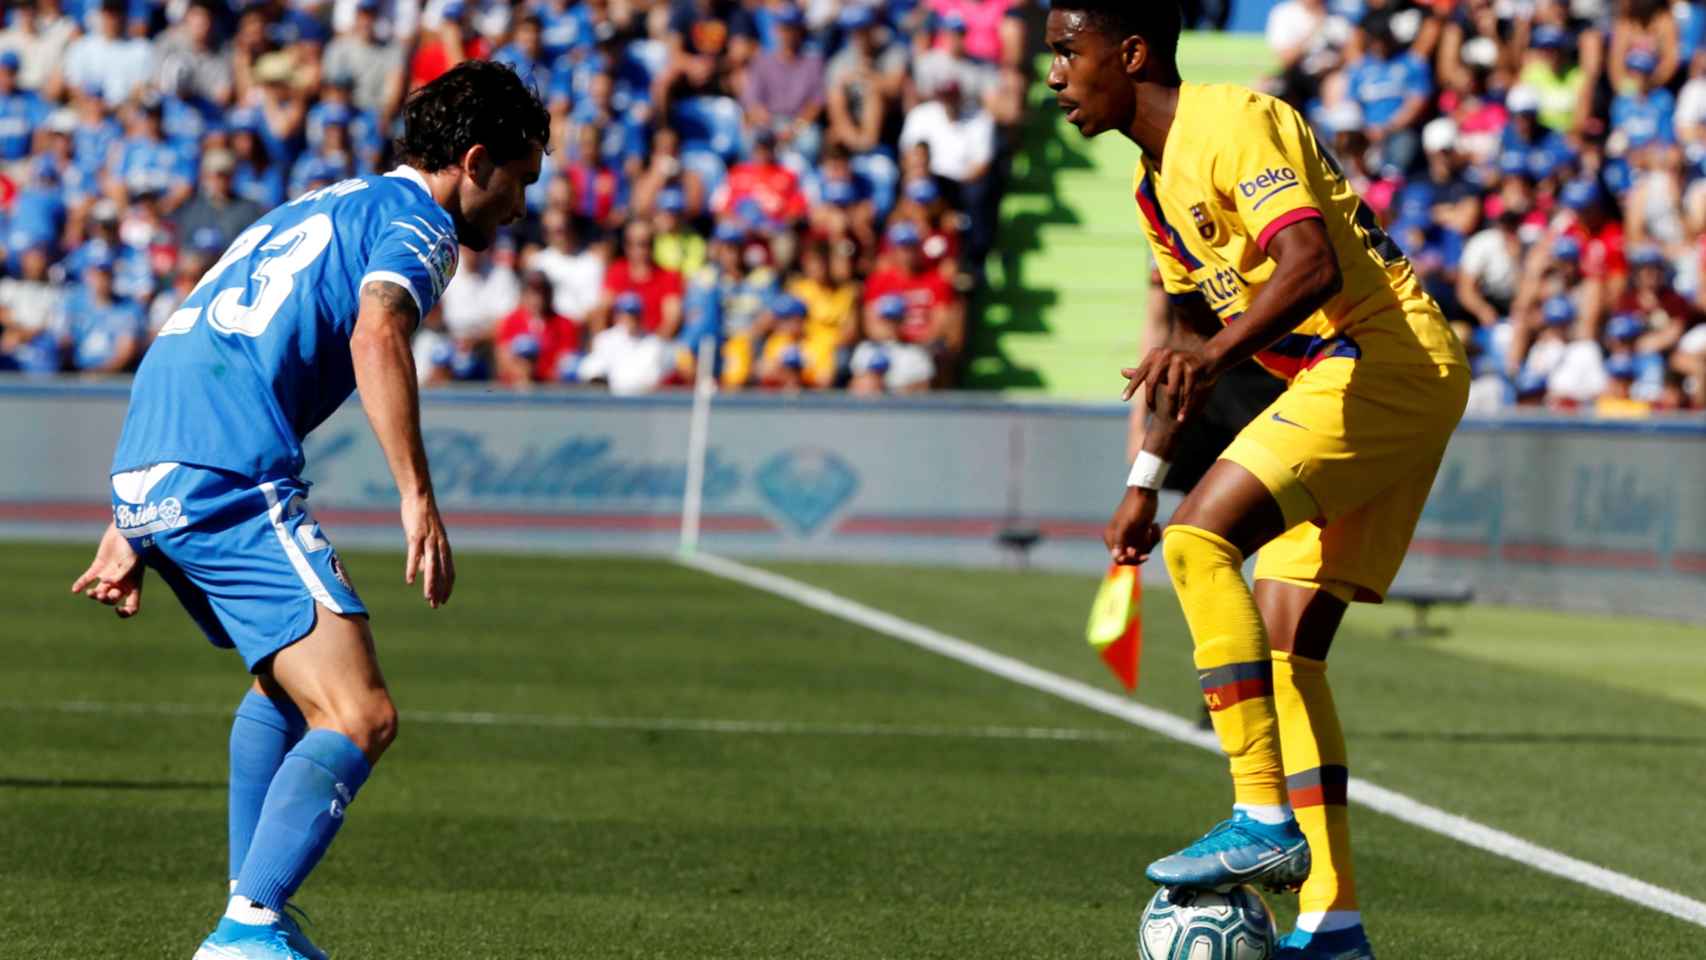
(807, 486)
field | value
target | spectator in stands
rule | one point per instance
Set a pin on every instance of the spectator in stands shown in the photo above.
(791, 361)
(949, 64)
(133, 278)
(1644, 112)
(749, 289)
(934, 317)
(39, 34)
(535, 344)
(1600, 234)
(1645, 30)
(483, 292)
(884, 363)
(830, 293)
(705, 53)
(1653, 207)
(599, 188)
(845, 209)
(337, 107)
(1488, 273)
(625, 355)
(104, 333)
(574, 269)
(144, 161)
(1663, 316)
(1560, 84)
(677, 246)
(768, 184)
(39, 209)
(260, 176)
(109, 59)
(712, 285)
(981, 21)
(784, 88)
(32, 312)
(189, 61)
(961, 138)
(865, 82)
(21, 111)
(1297, 29)
(445, 45)
(217, 207)
(373, 69)
(525, 54)
(1393, 87)
(637, 272)
(1690, 118)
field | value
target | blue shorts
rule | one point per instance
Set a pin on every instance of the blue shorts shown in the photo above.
(245, 557)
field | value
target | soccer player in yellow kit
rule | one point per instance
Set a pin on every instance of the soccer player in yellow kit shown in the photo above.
(1267, 253)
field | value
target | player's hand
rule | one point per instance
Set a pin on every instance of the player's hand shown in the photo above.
(114, 577)
(1178, 381)
(428, 550)
(1132, 534)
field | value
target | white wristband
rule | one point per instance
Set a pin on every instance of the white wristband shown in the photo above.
(1147, 471)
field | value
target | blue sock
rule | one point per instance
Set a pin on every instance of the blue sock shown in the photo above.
(303, 810)
(261, 735)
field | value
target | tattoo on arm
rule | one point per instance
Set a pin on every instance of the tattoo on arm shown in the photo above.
(393, 299)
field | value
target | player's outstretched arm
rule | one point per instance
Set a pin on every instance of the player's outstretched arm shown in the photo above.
(114, 577)
(385, 377)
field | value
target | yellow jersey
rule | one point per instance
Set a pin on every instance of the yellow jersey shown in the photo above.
(1238, 167)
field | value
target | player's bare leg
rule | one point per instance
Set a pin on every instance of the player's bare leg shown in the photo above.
(332, 676)
(1226, 517)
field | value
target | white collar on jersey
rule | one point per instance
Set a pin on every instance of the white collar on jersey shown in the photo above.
(406, 172)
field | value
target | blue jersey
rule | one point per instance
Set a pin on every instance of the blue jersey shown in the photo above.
(1644, 118)
(258, 355)
(20, 113)
(96, 330)
(145, 164)
(1381, 86)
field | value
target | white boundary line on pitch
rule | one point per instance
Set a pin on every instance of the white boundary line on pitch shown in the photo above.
(1372, 796)
(637, 724)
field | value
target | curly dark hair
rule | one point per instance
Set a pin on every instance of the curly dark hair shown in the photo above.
(476, 102)
(1157, 21)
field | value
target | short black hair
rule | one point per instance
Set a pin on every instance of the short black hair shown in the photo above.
(476, 102)
(1157, 21)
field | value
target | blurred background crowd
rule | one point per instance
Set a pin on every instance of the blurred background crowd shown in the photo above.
(1544, 165)
(807, 192)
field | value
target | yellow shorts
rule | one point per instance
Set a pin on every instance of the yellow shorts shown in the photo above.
(1349, 451)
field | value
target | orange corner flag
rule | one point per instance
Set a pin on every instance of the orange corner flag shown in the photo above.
(1116, 623)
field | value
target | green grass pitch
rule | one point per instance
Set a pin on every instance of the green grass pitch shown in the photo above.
(552, 795)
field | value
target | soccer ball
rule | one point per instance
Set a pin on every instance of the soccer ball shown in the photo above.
(1181, 924)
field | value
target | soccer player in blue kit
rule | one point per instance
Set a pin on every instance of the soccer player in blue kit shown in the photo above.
(318, 298)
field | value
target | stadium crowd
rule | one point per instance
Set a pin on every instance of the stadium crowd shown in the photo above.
(809, 189)
(1544, 165)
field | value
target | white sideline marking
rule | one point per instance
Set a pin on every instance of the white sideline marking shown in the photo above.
(1375, 797)
(640, 724)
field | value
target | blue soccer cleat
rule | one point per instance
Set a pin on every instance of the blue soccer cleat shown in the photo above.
(282, 940)
(1347, 944)
(1239, 850)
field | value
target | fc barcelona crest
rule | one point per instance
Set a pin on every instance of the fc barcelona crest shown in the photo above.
(1204, 222)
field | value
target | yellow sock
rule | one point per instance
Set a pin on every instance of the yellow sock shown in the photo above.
(1231, 657)
(1316, 774)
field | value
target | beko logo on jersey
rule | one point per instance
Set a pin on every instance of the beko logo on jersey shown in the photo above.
(1271, 177)
(151, 517)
